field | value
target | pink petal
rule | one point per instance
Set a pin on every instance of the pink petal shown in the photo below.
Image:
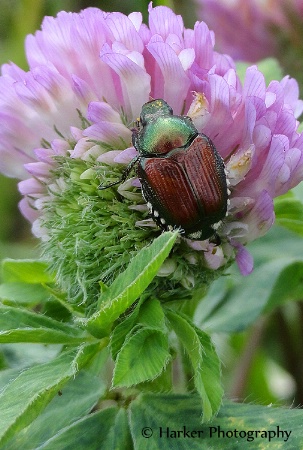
(81, 147)
(135, 82)
(136, 19)
(291, 93)
(27, 210)
(124, 31)
(175, 81)
(98, 111)
(254, 85)
(163, 21)
(261, 217)
(60, 147)
(115, 134)
(214, 257)
(244, 260)
(126, 155)
(203, 45)
(186, 58)
(273, 164)
(31, 186)
(109, 157)
(38, 169)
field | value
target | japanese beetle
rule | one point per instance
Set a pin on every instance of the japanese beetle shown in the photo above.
(182, 175)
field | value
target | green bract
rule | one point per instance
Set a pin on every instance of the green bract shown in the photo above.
(92, 237)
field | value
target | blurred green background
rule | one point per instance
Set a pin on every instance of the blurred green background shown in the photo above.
(262, 364)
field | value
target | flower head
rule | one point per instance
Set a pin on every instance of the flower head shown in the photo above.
(249, 20)
(67, 128)
(257, 29)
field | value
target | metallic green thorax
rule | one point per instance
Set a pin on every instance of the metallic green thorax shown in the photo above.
(160, 131)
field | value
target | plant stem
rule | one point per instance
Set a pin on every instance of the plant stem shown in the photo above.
(244, 365)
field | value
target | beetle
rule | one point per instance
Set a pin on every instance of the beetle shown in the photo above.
(183, 177)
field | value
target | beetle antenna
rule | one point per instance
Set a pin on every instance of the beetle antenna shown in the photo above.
(123, 177)
(105, 186)
(231, 153)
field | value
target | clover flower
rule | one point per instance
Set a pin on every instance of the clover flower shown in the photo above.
(257, 29)
(66, 128)
(249, 19)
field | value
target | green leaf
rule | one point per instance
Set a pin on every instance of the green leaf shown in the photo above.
(164, 383)
(42, 336)
(143, 357)
(276, 244)
(25, 270)
(289, 213)
(76, 399)
(24, 397)
(19, 325)
(149, 314)
(244, 303)
(205, 362)
(262, 291)
(288, 286)
(18, 293)
(130, 284)
(104, 430)
(174, 421)
(21, 356)
(121, 331)
(233, 303)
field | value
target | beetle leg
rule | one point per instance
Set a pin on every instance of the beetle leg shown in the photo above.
(215, 239)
